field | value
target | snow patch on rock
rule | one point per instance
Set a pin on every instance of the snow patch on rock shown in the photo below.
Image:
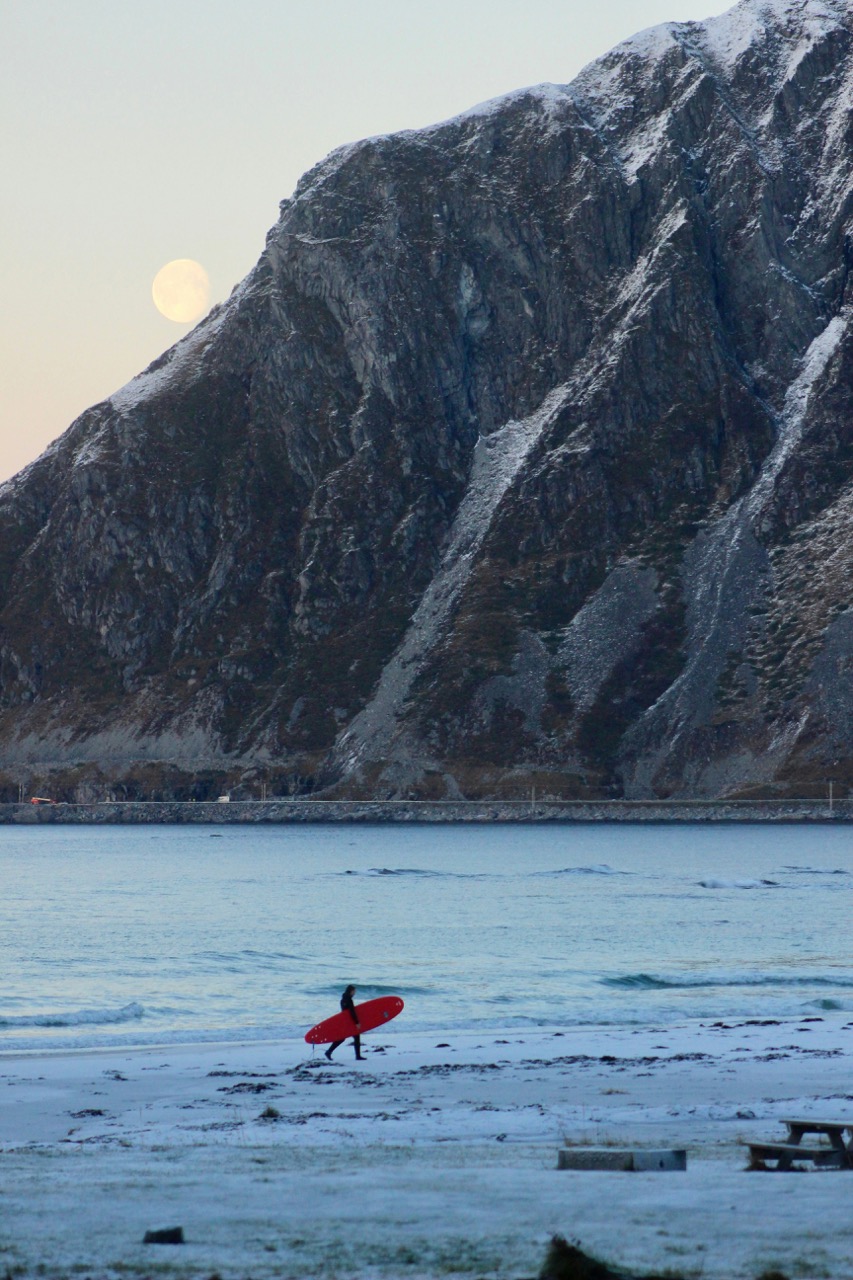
(498, 458)
(723, 574)
(606, 630)
(728, 37)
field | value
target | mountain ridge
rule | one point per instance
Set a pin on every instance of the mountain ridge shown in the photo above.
(510, 463)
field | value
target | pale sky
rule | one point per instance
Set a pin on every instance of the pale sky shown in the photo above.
(138, 131)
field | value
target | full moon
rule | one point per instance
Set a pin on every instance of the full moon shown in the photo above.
(181, 290)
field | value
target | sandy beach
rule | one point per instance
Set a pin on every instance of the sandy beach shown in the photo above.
(435, 1156)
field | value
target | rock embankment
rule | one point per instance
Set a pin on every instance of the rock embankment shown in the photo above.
(424, 811)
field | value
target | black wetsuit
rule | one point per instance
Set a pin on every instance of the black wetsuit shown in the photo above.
(347, 1006)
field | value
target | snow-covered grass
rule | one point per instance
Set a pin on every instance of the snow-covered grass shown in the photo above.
(435, 1156)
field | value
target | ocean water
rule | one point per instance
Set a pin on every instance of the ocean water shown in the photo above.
(141, 935)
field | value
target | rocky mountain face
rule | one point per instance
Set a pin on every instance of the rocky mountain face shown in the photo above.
(523, 458)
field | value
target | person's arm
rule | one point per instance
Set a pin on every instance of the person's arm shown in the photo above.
(350, 1008)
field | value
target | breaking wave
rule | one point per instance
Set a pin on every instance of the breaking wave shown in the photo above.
(649, 982)
(398, 871)
(77, 1018)
(815, 871)
(418, 873)
(716, 882)
(602, 870)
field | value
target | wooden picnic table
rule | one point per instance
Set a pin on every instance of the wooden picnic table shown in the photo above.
(836, 1154)
(833, 1129)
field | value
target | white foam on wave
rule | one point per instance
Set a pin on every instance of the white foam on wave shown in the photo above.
(77, 1018)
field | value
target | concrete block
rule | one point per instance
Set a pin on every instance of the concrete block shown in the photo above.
(609, 1158)
(620, 1160)
(666, 1161)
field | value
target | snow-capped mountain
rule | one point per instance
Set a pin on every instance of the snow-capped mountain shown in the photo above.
(524, 456)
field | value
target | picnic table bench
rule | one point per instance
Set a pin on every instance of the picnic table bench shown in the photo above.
(836, 1154)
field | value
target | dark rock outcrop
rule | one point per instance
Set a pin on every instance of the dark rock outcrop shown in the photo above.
(523, 458)
(565, 1261)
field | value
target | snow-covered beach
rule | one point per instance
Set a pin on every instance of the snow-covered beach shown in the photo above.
(435, 1156)
(637, 987)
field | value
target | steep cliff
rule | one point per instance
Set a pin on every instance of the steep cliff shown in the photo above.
(523, 457)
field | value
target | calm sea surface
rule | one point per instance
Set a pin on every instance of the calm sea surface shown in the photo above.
(135, 935)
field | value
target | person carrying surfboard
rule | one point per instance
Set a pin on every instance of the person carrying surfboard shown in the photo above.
(348, 1006)
(367, 1015)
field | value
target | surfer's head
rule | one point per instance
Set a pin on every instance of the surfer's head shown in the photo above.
(350, 991)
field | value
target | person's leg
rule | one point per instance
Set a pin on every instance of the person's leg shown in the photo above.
(336, 1044)
(357, 1043)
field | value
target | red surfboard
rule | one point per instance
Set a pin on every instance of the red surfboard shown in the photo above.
(372, 1013)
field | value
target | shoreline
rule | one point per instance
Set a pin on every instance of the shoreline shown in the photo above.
(425, 812)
